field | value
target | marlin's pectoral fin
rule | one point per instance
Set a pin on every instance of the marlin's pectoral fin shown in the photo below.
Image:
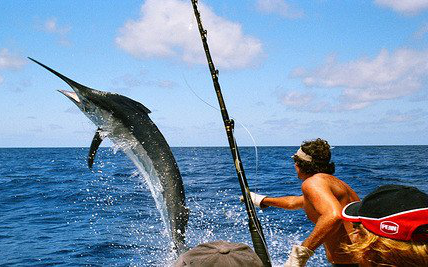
(96, 141)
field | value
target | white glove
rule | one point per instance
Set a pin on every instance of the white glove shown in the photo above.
(299, 256)
(256, 199)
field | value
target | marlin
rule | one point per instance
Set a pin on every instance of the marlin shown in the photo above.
(127, 124)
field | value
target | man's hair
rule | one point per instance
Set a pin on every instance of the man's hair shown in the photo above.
(383, 251)
(319, 150)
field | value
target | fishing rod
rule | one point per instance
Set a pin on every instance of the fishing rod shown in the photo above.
(259, 241)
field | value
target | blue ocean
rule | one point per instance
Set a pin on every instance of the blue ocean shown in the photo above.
(55, 211)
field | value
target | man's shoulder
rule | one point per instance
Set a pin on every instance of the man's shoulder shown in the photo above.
(323, 174)
(321, 177)
(323, 182)
(319, 180)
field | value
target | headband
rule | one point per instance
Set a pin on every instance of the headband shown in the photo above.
(302, 155)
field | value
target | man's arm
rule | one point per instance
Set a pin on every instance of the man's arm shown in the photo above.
(286, 202)
(318, 194)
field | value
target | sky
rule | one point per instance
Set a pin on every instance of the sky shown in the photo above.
(351, 72)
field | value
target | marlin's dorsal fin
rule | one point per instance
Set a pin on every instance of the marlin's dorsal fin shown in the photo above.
(96, 141)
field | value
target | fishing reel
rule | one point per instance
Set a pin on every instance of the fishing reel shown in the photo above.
(230, 125)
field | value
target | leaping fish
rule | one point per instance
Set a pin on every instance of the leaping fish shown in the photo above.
(127, 124)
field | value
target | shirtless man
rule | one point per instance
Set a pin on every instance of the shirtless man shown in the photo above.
(324, 197)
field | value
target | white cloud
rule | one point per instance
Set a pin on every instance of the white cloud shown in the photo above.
(408, 7)
(306, 102)
(130, 81)
(280, 122)
(296, 99)
(279, 7)
(367, 80)
(304, 129)
(415, 115)
(166, 84)
(410, 119)
(421, 32)
(9, 61)
(54, 127)
(127, 81)
(51, 26)
(167, 28)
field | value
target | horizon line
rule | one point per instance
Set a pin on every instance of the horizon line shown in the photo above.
(332, 146)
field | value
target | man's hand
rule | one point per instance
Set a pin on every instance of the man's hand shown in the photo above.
(298, 257)
(256, 199)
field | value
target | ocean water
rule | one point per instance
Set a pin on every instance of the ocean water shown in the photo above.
(55, 211)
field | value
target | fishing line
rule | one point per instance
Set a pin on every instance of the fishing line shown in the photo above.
(236, 154)
(243, 126)
(249, 200)
(254, 143)
(190, 88)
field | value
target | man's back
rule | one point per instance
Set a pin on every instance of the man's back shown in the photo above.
(324, 197)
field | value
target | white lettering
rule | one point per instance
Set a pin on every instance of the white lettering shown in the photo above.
(389, 227)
